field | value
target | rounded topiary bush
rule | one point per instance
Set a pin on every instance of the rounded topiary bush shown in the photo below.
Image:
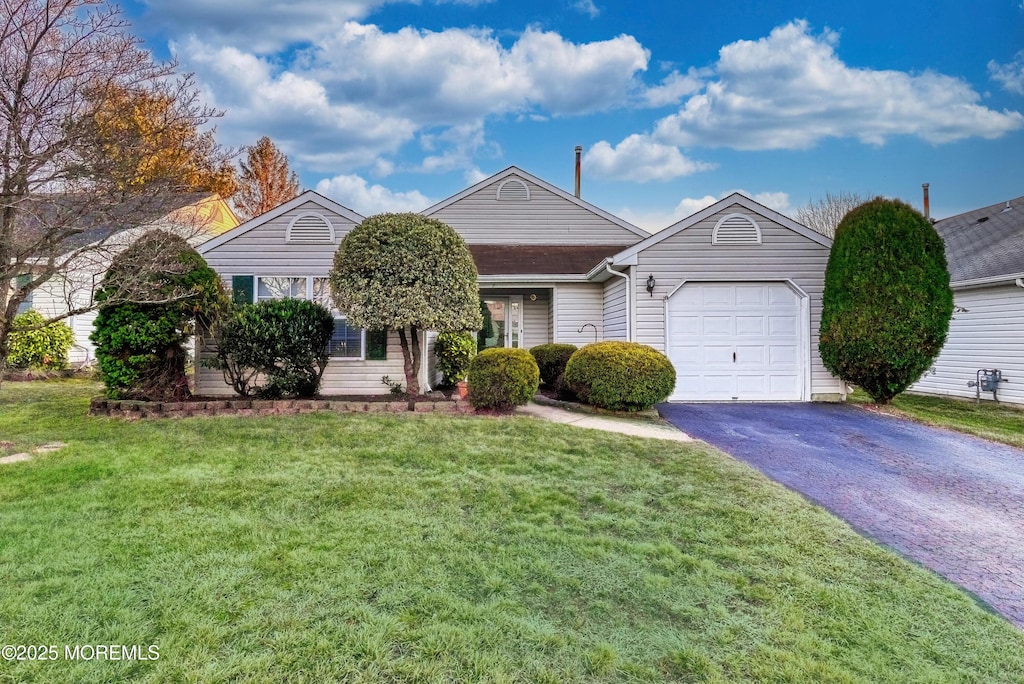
(887, 301)
(551, 360)
(502, 378)
(622, 376)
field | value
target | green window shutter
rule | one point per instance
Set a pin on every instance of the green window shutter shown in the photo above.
(243, 289)
(22, 280)
(376, 345)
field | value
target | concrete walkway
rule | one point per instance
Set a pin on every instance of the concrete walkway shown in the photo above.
(625, 426)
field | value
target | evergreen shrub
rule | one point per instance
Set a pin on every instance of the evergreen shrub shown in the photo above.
(502, 378)
(622, 376)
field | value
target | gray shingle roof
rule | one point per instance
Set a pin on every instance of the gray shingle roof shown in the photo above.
(985, 243)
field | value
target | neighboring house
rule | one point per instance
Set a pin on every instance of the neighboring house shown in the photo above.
(985, 253)
(195, 216)
(735, 302)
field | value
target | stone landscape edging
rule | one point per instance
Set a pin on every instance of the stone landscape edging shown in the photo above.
(136, 410)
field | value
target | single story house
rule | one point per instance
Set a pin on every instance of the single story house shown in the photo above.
(731, 294)
(197, 216)
(985, 254)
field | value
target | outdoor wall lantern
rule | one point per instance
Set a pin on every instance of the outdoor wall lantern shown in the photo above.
(650, 284)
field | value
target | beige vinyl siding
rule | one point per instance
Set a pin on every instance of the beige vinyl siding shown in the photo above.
(987, 335)
(544, 219)
(615, 313)
(690, 256)
(535, 319)
(578, 304)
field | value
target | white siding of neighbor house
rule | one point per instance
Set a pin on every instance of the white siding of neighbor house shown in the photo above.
(989, 334)
(545, 219)
(689, 255)
(576, 305)
(615, 313)
(263, 251)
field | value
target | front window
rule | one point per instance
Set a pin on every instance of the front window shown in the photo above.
(280, 288)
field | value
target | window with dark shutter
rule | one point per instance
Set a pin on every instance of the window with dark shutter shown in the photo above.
(243, 289)
(376, 345)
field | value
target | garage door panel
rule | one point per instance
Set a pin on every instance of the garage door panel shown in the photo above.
(751, 326)
(732, 341)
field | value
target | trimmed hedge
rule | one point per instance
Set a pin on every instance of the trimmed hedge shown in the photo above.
(622, 376)
(551, 360)
(502, 379)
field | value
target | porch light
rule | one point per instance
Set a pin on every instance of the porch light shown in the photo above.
(650, 284)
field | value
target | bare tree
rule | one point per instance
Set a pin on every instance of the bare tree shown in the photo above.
(63, 199)
(265, 181)
(824, 214)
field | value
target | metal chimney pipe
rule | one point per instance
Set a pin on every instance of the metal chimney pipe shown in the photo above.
(579, 151)
(927, 210)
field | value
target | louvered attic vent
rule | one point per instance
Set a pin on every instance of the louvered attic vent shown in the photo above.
(736, 229)
(310, 228)
(514, 190)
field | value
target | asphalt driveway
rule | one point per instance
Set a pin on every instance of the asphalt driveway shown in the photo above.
(952, 502)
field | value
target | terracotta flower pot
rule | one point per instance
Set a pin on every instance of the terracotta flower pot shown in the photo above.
(461, 389)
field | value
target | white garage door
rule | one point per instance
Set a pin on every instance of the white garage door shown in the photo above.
(736, 342)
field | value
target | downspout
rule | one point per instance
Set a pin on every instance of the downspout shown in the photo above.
(629, 308)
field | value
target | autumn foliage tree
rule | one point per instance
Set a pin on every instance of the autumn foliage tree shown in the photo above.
(265, 180)
(409, 273)
(92, 133)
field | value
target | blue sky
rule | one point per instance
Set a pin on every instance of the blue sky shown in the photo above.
(396, 105)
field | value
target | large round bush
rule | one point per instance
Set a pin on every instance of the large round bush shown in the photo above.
(623, 376)
(551, 360)
(887, 302)
(502, 378)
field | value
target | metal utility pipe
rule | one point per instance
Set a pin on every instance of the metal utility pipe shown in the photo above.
(927, 210)
(579, 151)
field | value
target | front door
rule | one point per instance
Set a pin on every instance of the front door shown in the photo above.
(503, 322)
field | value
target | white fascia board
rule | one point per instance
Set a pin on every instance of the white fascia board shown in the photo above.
(981, 282)
(516, 171)
(281, 209)
(628, 256)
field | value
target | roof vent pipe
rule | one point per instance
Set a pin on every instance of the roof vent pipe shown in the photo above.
(579, 151)
(927, 210)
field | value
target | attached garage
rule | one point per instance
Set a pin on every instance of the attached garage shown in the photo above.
(737, 341)
(732, 295)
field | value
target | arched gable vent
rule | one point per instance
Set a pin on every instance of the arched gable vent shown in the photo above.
(736, 229)
(514, 190)
(310, 228)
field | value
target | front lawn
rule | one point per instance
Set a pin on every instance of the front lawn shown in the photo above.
(379, 548)
(998, 422)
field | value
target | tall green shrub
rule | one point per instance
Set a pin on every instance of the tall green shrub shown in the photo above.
(454, 351)
(33, 345)
(887, 301)
(141, 347)
(623, 376)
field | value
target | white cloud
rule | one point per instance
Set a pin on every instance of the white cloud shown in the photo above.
(587, 7)
(639, 159)
(362, 93)
(1011, 74)
(356, 193)
(654, 221)
(675, 87)
(790, 90)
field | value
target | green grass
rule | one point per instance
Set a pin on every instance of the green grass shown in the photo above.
(373, 548)
(998, 422)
